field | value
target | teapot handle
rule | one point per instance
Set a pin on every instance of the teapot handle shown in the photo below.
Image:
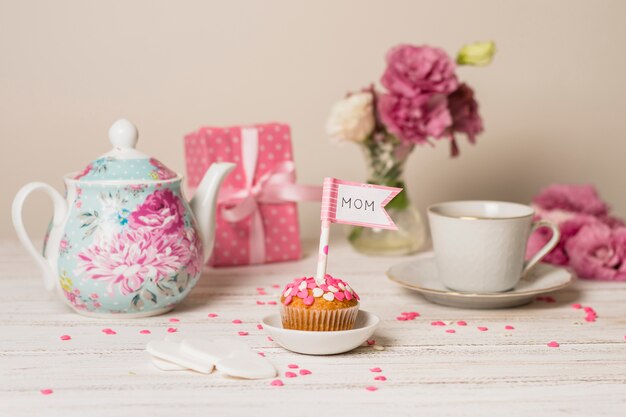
(60, 210)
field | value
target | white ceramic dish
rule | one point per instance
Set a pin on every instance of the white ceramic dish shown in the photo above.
(322, 343)
(421, 275)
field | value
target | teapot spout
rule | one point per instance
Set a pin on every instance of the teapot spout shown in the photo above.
(204, 203)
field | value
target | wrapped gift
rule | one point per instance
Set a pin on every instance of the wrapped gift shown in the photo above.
(257, 216)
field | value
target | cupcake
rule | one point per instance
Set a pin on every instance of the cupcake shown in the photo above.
(328, 305)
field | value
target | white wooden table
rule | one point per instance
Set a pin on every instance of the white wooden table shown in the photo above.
(429, 372)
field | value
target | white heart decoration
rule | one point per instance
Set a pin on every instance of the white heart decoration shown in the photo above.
(246, 364)
(166, 365)
(170, 351)
(212, 350)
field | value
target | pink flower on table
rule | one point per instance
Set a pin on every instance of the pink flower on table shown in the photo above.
(161, 210)
(598, 252)
(465, 118)
(414, 119)
(568, 227)
(416, 70)
(612, 221)
(128, 259)
(574, 198)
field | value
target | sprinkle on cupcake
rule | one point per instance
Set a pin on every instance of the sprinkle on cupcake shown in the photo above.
(308, 289)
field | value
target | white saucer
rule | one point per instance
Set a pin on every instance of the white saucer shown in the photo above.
(322, 343)
(421, 275)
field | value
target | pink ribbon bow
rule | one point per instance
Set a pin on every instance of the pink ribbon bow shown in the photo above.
(275, 186)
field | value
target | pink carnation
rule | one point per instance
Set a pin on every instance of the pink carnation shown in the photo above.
(415, 70)
(598, 252)
(414, 119)
(568, 228)
(574, 198)
(161, 210)
(465, 118)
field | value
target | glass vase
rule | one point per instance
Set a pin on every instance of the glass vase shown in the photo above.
(386, 161)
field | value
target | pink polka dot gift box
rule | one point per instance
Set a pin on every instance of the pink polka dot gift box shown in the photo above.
(257, 217)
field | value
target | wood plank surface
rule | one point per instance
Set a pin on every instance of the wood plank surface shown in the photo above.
(429, 372)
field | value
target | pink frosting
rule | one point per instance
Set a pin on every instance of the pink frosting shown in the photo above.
(330, 289)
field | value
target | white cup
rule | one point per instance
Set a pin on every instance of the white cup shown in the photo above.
(480, 245)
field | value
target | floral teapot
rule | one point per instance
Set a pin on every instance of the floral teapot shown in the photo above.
(124, 240)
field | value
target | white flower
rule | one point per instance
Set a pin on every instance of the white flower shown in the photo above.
(351, 119)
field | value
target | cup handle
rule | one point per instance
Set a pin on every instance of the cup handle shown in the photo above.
(556, 235)
(60, 210)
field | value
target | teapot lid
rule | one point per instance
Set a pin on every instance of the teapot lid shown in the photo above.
(124, 162)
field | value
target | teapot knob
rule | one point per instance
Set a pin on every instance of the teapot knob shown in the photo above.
(123, 134)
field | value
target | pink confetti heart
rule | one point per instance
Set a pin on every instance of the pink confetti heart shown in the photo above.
(173, 320)
(270, 338)
(292, 366)
(450, 331)
(275, 286)
(371, 342)
(172, 330)
(482, 329)
(375, 369)
(437, 323)
(237, 321)
(261, 354)
(259, 326)
(261, 303)
(290, 375)
(402, 318)
(577, 306)
(145, 331)
(326, 250)
(46, 391)
(371, 388)
(277, 383)
(461, 323)
(108, 331)
(272, 303)
(260, 289)
(509, 327)
(212, 315)
(553, 344)
(66, 337)
(304, 372)
(380, 378)
(242, 333)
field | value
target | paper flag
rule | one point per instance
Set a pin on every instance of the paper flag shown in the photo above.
(357, 203)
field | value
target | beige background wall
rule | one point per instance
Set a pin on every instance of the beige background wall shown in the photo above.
(554, 101)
